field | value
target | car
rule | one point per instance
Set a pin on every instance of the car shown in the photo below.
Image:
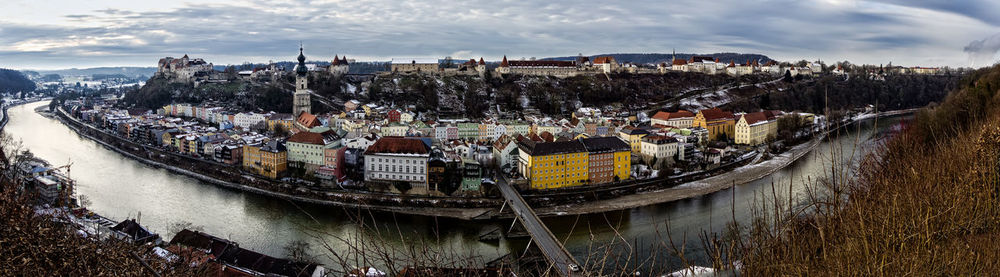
(574, 268)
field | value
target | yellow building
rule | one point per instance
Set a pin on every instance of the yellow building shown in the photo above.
(549, 165)
(269, 160)
(717, 122)
(284, 120)
(633, 136)
(755, 128)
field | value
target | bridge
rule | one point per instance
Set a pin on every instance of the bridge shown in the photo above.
(558, 257)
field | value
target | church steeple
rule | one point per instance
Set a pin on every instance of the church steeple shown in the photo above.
(301, 69)
(301, 100)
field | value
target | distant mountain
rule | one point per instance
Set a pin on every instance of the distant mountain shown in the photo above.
(133, 72)
(655, 58)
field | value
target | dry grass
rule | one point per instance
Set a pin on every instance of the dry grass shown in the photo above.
(925, 204)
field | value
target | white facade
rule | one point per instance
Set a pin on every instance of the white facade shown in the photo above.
(410, 168)
(246, 120)
(664, 150)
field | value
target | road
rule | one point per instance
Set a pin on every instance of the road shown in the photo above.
(558, 257)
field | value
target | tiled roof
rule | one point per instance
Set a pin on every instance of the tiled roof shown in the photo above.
(604, 60)
(398, 145)
(716, 114)
(668, 115)
(752, 118)
(550, 148)
(308, 120)
(605, 145)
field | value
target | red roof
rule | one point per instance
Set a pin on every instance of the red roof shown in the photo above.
(752, 118)
(398, 145)
(336, 60)
(308, 120)
(481, 61)
(680, 62)
(307, 137)
(504, 63)
(668, 115)
(716, 114)
(604, 59)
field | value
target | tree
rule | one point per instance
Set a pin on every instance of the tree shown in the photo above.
(298, 251)
(402, 186)
(788, 76)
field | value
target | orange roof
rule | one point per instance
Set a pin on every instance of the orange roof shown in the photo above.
(504, 63)
(308, 120)
(680, 62)
(603, 60)
(668, 115)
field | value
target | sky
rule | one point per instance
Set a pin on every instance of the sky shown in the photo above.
(56, 34)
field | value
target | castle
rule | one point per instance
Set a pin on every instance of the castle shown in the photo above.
(183, 69)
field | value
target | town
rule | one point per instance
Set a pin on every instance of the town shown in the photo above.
(394, 149)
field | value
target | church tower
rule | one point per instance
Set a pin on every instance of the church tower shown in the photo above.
(301, 102)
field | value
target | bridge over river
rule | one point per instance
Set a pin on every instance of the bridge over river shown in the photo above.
(559, 258)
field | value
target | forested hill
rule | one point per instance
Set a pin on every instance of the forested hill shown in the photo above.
(14, 81)
(655, 58)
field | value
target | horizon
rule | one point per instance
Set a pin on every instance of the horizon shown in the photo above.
(43, 36)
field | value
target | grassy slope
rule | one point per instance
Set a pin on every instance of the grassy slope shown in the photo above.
(927, 205)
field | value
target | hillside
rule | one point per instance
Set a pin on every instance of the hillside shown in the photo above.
(655, 58)
(14, 81)
(924, 204)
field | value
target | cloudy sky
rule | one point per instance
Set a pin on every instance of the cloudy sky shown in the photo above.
(72, 33)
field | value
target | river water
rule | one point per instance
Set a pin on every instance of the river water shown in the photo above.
(121, 188)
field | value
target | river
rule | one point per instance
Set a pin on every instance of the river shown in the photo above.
(121, 188)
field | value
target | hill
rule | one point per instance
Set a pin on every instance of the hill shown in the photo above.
(655, 58)
(14, 81)
(924, 203)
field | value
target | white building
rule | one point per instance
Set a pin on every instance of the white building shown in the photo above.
(393, 159)
(247, 120)
(659, 146)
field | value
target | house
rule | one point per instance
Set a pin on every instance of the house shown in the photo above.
(505, 151)
(269, 159)
(397, 159)
(756, 128)
(719, 123)
(130, 230)
(333, 165)
(307, 149)
(284, 121)
(471, 175)
(633, 136)
(606, 64)
(393, 116)
(659, 147)
(307, 121)
(679, 119)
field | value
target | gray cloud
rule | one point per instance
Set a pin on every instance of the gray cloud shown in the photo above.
(981, 52)
(258, 30)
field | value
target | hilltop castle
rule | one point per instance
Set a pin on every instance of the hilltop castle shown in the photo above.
(183, 69)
